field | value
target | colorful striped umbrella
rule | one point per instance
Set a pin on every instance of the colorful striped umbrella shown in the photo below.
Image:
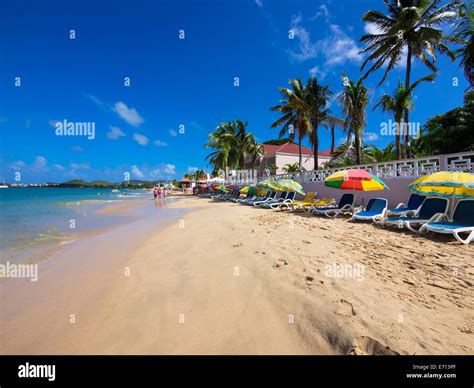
(445, 184)
(221, 188)
(289, 185)
(356, 179)
(251, 190)
(267, 184)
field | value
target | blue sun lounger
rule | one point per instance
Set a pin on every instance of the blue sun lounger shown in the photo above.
(461, 222)
(267, 203)
(346, 204)
(376, 208)
(430, 208)
(286, 202)
(414, 203)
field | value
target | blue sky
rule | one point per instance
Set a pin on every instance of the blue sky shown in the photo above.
(173, 81)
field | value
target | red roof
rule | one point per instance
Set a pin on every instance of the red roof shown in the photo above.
(291, 148)
(325, 153)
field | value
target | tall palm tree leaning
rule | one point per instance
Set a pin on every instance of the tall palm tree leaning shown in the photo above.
(354, 100)
(400, 102)
(293, 113)
(411, 26)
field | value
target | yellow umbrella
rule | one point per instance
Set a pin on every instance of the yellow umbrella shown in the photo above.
(445, 184)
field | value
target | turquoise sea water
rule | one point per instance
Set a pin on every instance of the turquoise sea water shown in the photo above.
(36, 220)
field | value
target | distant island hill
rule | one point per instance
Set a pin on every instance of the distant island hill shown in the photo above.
(98, 184)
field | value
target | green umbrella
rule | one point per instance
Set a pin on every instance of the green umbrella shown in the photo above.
(289, 185)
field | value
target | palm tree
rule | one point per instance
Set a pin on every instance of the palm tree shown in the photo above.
(410, 25)
(332, 123)
(231, 143)
(293, 113)
(315, 105)
(382, 155)
(345, 154)
(294, 167)
(255, 151)
(354, 100)
(400, 102)
(464, 30)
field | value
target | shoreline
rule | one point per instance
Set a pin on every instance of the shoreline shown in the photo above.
(239, 280)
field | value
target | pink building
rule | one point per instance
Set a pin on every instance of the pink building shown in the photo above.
(288, 153)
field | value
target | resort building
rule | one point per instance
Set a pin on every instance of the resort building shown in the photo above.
(279, 156)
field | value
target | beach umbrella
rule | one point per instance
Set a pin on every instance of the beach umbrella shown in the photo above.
(267, 184)
(222, 188)
(445, 184)
(289, 185)
(356, 179)
(251, 190)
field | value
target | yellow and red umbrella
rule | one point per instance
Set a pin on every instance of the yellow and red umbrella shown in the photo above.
(356, 179)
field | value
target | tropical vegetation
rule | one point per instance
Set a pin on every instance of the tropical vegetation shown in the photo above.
(409, 31)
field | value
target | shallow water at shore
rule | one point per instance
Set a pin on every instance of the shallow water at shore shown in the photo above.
(37, 222)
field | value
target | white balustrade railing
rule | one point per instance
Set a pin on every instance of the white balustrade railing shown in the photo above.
(397, 169)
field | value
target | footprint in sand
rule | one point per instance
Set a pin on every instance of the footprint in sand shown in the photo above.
(238, 245)
(368, 346)
(345, 308)
(280, 263)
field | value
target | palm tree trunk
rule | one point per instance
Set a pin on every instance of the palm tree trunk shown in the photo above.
(300, 159)
(315, 146)
(407, 112)
(357, 146)
(332, 140)
(398, 120)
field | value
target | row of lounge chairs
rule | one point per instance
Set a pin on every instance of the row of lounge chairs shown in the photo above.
(420, 214)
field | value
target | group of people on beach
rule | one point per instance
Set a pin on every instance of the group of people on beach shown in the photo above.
(159, 192)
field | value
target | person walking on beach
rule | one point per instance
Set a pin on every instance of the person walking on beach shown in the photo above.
(155, 193)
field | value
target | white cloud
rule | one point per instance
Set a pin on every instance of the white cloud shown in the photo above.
(371, 28)
(173, 132)
(316, 71)
(370, 136)
(77, 148)
(115, 133)
(130, 115)
(336, 48)
(259, 3)
(307, 49)
(192, 169)
(59, 167)
(323, 11)
(170, 169)
(141, 139)
(339, 47)
(155, 173)
(160, 143)
(18, 165)
(80, 166)
(40, 164)
(137, 173)
(96, 101)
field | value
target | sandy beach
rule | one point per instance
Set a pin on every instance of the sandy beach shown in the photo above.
(231, 279)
